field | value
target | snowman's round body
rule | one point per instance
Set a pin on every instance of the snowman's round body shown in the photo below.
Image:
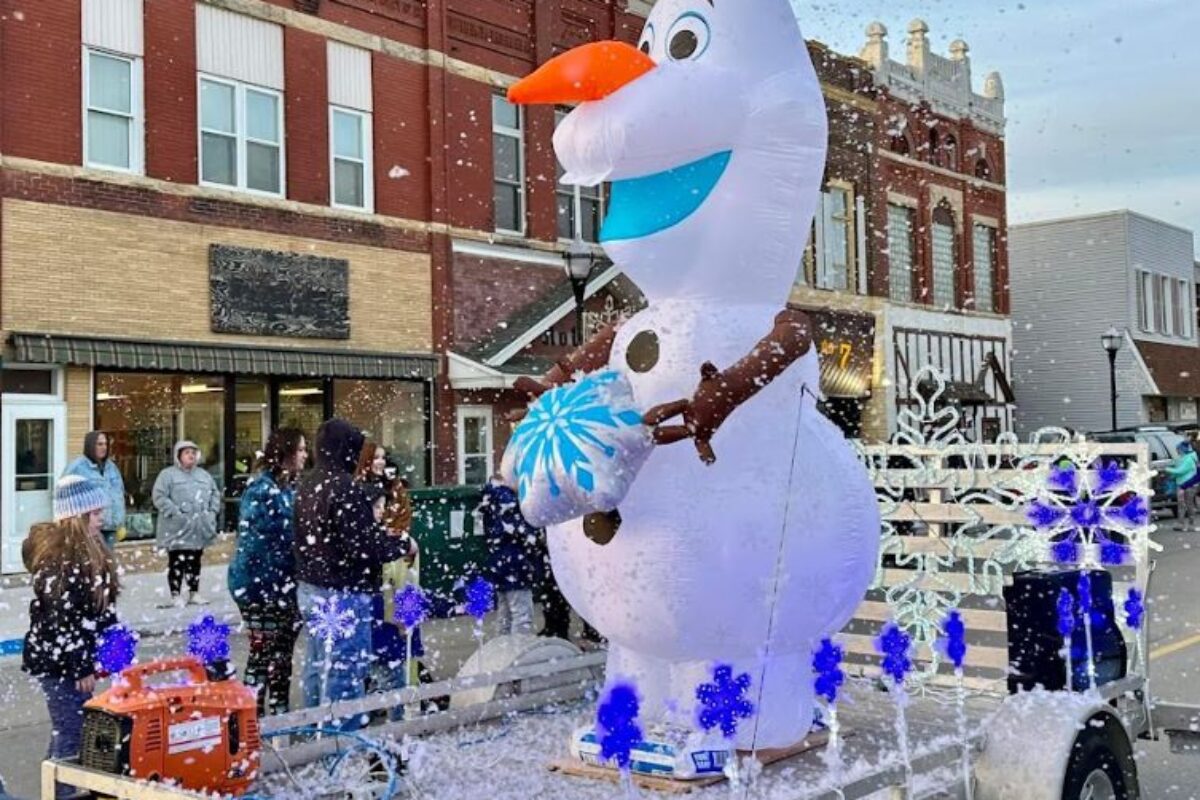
(749, 561)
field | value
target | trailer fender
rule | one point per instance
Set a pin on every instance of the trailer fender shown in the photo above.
(1028, 743)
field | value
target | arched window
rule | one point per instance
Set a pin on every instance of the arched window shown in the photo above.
(900, 145)
(934, 145)
(948, 157)
(983, 170)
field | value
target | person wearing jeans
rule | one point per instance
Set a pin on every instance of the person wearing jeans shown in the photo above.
(340, 549)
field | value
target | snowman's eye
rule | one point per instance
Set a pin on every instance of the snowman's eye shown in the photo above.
(647, 43)
(688, 37)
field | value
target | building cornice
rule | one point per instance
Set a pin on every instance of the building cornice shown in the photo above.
(908, 161)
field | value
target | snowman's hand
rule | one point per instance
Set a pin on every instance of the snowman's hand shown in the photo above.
(669, 434)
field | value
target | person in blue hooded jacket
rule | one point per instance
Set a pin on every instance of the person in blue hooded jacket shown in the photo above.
(262, 572)
(97, 466)
(1185, 472)
(512, 556)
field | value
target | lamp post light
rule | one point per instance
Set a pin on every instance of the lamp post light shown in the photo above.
(1112, 339)
(579, 261)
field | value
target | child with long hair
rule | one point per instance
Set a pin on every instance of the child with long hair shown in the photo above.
(75, 588)
(262, 573)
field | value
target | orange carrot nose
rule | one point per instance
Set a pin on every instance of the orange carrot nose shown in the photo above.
(590, 72)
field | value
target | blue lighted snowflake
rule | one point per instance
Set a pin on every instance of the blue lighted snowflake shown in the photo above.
(208, 640)
(1135, 609)
(116, 649)
(330, 619)
(894, 644)
(411, 606)
(562, 426)
(827, 664)
(480, 597)
(1065, 610)
(723, 702)
(1082, 510)
(955, 643)
(616, 724)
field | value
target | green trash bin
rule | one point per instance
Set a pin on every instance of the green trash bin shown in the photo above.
(447, 525)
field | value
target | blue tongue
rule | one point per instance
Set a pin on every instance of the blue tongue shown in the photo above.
(641, 206)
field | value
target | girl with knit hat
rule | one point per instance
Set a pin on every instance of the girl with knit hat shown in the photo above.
(75, 589)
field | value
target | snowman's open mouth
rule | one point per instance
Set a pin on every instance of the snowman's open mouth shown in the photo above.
(642, 206)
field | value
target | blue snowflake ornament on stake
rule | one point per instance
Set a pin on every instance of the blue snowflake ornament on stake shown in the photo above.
(956, 638)
(1135, 609)
(208, 640)
(894, 644)
(480, 597)
(723, 702)
(827, 664)
(411, 606)
(116, 649)
(330, 619)
(616, 724)
(1084, 591)
(1065, 609)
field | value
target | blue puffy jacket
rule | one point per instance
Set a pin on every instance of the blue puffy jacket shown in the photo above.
(513, 555)
(263, 568)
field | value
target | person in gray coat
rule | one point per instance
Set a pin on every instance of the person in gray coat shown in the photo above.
(188, 501)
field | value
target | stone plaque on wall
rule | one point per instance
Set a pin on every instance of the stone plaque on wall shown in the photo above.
(269, 293)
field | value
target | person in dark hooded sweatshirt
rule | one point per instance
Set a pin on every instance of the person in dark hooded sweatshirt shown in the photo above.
(340, 551)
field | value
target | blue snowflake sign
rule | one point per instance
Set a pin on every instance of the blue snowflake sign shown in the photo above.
(330, 619)
(1079, 511)
(578, 449)
(208, 640)
(480, 598)
(116, 649)
(723, 703)
(616, 724)
(412, 606)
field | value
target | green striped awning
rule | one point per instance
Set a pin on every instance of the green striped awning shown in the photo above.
(38, 348)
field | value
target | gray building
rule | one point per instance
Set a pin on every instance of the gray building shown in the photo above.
(1073, 279)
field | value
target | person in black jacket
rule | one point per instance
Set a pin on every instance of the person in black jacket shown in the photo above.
(340, 551)
(75, 589)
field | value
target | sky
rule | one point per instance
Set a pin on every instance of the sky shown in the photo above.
(1103, 96)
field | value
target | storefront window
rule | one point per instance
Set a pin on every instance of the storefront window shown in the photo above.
(302, 405)
(146, 414)
(252, 426)
(393, 414)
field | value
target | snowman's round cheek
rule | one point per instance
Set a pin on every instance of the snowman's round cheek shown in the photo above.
(642, 353)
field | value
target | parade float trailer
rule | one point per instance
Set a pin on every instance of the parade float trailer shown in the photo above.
(956, 527)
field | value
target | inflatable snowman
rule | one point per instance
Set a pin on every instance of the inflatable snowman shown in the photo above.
(749, 546)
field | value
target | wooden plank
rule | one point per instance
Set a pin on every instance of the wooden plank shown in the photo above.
(956, 513)
(977, 656)
(940, 545)
(111, 785)
(975, 619)
(578, 769)
(943, 581)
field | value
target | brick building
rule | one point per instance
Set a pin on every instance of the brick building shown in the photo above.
(222, 216)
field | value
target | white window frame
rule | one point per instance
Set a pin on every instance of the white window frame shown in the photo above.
(239, 123)
(137, 128)
(517, 133)
(1144, 297)
(1162, 300)
(478, 412)
(367, 160)
(991, 270)
(1184, 287)
(821, 272)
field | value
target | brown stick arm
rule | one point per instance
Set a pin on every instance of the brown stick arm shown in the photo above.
(591, 356)
(721, 392)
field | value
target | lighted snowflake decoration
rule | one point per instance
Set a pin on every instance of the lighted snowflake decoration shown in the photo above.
(1065, 613)
(723, 702)
(616, 724)
(1088, 515)
(566, 429)
(1135, 609)
(480, 597)
(955, 642)
(330, 619)
(827, 665)
(895, 645)
(208, 640)
(411, 606)
(116, 649)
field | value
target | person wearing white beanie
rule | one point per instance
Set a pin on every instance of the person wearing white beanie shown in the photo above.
(188, 502)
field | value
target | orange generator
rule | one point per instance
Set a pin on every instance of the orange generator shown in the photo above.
(200, 734)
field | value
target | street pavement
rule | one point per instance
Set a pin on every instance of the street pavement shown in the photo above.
(1174, 662)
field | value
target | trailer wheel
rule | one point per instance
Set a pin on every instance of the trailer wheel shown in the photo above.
(1101, 765)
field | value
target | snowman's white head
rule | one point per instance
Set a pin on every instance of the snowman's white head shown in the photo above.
(713, 134)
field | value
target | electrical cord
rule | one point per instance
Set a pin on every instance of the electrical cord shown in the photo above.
(362, 744)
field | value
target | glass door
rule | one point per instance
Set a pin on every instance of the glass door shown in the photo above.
(34, 453)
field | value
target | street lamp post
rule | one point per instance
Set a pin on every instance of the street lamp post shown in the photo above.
(579, 260)
(1112, 340)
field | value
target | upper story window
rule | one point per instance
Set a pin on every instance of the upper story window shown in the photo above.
(580, 208)
(945, 257)
(241, 136)
(984, 251)
(983, 170)
(113, 114)
(240, 65)
(351, 176)
(901, 252)
(829, 258)
(1144, 284)
(508, 166)
(112, 134)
